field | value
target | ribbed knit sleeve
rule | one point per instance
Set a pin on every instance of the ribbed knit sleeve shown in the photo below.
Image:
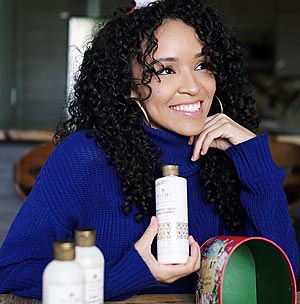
(75, 188)
(121, 285)
(263, 196)
(48, 214)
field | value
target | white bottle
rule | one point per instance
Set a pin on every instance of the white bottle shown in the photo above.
(172, 214)
(63, 278)
(92, 261)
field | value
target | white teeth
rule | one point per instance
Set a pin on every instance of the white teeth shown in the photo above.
(192, 107)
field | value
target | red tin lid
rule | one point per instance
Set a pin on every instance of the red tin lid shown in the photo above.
(248, 270)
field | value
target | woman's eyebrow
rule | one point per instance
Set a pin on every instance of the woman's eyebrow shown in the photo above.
(200, 54)
(175, 59)
(168, 59)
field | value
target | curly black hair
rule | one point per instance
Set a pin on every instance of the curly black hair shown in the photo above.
(101, 101)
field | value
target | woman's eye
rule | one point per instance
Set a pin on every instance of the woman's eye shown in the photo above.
(201, 66)
(165, 71)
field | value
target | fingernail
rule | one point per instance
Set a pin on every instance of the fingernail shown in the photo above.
(152, 221)
(152, 225)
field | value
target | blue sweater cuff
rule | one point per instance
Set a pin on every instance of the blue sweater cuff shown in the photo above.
(130, 275)
(252, 158)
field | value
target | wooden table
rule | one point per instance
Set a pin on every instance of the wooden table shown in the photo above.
(159, 299)
(144, 299)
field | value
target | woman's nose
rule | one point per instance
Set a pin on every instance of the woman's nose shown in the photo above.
(189, 84)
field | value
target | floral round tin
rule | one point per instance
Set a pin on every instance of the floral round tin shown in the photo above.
(247, 270)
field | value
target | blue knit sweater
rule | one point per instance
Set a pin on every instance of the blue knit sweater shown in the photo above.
(78, 188)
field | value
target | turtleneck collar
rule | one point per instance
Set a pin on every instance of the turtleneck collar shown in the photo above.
(175, 150)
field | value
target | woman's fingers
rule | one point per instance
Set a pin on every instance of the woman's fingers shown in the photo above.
(195, 254)
(171, 273)
(143, 245)
(219, 132)
(166, 273)
(214, 136)
(191, 140)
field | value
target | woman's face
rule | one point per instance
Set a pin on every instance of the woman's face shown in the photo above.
(181, 99)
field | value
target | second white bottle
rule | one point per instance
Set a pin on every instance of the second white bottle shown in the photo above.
(63, 278)
(92, 261)
(172, 214)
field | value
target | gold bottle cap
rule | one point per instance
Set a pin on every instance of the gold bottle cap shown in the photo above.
(64, 250)
(170, 170)
(85, 237)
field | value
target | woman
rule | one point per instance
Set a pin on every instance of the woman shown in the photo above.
(151, 89)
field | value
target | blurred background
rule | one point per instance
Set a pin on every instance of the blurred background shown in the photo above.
(35, 71)
(34, 51)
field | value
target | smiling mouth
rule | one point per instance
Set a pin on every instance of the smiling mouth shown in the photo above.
(192, 107)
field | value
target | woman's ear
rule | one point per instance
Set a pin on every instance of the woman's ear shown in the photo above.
(133, 94)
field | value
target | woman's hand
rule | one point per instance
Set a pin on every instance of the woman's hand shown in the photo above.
(219, 132)
(166, 273)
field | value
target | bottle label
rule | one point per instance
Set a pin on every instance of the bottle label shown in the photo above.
(94, 285)
(172, 214)
(169, 230)
(73, 294)
(171, 204)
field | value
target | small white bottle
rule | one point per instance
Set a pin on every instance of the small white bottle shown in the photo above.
(172, 215)
(92, 262)
(63, 278)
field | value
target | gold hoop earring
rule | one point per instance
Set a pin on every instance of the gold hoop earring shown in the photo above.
(144, 113)
(220, 103)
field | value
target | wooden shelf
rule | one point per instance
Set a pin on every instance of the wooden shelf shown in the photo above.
(26, 135)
